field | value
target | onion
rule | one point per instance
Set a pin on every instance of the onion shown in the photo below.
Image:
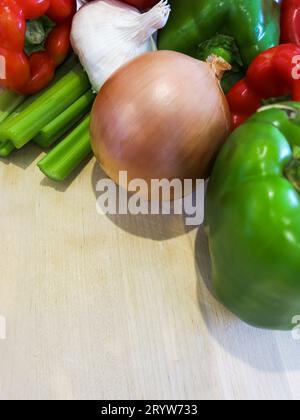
(161, 116)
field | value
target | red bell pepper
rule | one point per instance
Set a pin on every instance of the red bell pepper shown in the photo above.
(273, 74)
(290, 21)
(34, 9)
(61, 10)
(29, 74)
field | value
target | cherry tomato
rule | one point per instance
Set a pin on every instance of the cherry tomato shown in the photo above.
(14, 69)
(34, 9)
(58, 43)
(12, 25)
(42, 70)
(142, 4)
(61, 10)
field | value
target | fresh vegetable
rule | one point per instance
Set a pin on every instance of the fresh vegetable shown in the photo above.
(12, 26)
(61, 10)
(274, 73)
(42, 72)
(46, 46)
(16, 69)
(163, 115)
(65, 121)
(107, 34)
(194, 22)
(290, 21)
(68, 154)
(27, 124)
(6, 148)
(252, 212)
(34, 9)
(58, 43)
(224, 46)
(19, 104)
(194, 26)
(9, 101)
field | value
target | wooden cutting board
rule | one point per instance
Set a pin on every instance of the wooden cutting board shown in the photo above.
(101, 307)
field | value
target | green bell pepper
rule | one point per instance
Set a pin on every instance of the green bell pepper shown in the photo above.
(194, 27)
(253, 218)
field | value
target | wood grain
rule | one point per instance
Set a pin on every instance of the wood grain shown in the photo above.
(118, 308)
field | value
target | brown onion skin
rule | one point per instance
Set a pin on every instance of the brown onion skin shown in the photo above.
(153, 119)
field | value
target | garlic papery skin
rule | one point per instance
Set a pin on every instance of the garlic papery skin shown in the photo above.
(106, 34)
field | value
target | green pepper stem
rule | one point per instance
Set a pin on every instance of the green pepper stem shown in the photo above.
(68, 154)
(222, 46)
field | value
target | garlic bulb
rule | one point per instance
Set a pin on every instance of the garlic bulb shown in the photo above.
(107, 34)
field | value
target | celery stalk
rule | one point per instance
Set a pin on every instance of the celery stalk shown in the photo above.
(9, 101)
(65, 121)
(6, 148)
(68, 154)
(53, 101)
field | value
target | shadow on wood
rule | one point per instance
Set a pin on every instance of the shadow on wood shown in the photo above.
(240, 340)
(156, 227)
(25, 157)
(63, 186)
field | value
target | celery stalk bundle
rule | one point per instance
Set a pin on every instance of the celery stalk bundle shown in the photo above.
(27, 124)
(58, 113)
(67, 155)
